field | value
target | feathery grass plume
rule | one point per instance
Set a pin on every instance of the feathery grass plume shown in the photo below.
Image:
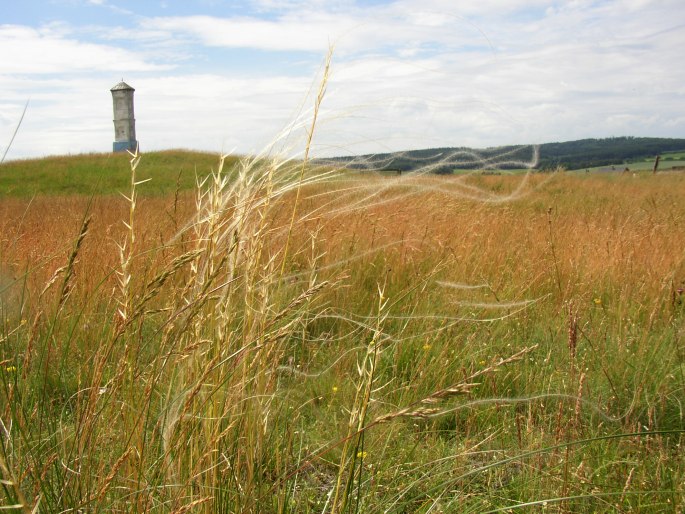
(308, 145)
(239, 313)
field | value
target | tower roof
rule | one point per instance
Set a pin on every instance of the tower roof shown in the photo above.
(122, 86)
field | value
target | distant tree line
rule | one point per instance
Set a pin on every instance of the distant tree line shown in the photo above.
(583, 153)
(588, 153)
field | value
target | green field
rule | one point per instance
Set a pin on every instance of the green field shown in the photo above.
(289, 339)
(103, 174)
(668, 161)
(673, 156)
(641, 166)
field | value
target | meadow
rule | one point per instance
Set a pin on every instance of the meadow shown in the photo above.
(103, 174)
(668, 161)
(281, 338)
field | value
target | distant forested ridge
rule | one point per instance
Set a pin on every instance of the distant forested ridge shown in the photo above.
(583, 153)
(588, 153)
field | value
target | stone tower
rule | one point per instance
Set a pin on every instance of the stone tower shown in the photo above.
(124, 120)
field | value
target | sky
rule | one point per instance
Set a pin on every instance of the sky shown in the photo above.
(242, 76)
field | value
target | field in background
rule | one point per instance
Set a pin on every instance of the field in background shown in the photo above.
(668, 161)
(673, 156)
(369, 344)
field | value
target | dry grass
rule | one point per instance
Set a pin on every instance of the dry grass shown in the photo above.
(605, 229)
(215, 356)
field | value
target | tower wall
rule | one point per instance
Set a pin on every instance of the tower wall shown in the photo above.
(124, 118)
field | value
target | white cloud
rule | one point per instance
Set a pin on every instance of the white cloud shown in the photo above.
(29, 50)
(243, 32)
(391, 28)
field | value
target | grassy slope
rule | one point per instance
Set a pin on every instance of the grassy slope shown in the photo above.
(601, 255)
(103, 174)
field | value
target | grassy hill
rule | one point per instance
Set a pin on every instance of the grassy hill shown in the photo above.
(104, 174)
